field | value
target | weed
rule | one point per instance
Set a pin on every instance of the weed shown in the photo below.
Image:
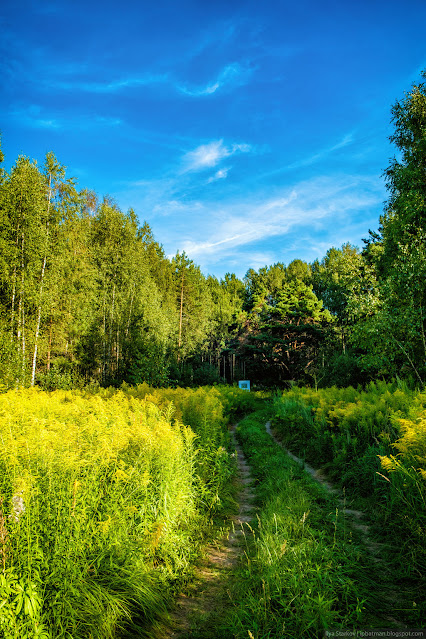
(107, 495)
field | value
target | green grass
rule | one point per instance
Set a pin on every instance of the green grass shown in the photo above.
(303, 571)
(372, 443)
(105, 501)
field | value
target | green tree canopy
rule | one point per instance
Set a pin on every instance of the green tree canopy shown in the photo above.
(395, 335)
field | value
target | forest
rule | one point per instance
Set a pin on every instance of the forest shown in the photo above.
(87, 293)
(123, 434)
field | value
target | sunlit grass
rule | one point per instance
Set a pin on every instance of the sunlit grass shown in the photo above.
(105, 497)
(371, 442)
(298, 575)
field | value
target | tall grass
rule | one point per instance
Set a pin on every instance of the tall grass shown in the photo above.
(373, 443)
(298, 575)
(344, 429)
(102, 506)
(405, 472)
(238, 402)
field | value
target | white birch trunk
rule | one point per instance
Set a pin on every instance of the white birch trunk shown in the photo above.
(43, 268)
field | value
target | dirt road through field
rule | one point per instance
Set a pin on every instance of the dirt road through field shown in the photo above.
(196, 611)
(356, 520)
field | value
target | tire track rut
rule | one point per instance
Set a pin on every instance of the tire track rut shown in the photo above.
(354, 518)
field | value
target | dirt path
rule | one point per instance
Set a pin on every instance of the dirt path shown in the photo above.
(196, 612)
(355, 520)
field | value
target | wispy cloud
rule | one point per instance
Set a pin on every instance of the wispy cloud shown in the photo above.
(320, 155)
(300, 221)
(113, 86)
(106, 121)
(221, 174)
(175, 207)
(314, 157)
(233, 75)
(205, 156)
(36, 117)
(209, 155)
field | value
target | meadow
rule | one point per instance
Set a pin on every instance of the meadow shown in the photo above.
(371, 442)
(106, 497)
(302, 571)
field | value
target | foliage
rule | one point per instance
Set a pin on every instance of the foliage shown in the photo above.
(281, 336)
(82, 281)
(105, 497)
(372, 442)
(393, 338)
(337, 426)
(342, 276)
(238, 402)
(405, 470)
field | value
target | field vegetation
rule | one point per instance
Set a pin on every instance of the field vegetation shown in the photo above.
(301, 573)
(372, 443)
(106, 498)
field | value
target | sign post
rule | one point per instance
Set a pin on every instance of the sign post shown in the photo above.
(244, 384)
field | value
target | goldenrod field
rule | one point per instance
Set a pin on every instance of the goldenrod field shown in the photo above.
(107, 497)
(104, 497)
(372, 442)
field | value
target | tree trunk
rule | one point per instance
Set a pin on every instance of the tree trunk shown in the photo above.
(37, 331)
(12, 314)
(23, 343)
(130, 312)
(110, 344)
(422, 329)
(49, 349)
(43, 268)
(20, 330)
(117, 351)
(104, 344)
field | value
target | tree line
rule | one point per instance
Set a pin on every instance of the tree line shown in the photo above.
(87, 293)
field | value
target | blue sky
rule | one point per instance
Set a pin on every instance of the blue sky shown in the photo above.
(244, 132)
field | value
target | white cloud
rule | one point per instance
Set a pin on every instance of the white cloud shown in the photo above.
(108, 121)
(322, 154)
(175, 207)
(219, 175)
(36, 117)
(241, 148)
(205, 156)
(225, 228)
(230, 76)
(209, 155)
(303, 220)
